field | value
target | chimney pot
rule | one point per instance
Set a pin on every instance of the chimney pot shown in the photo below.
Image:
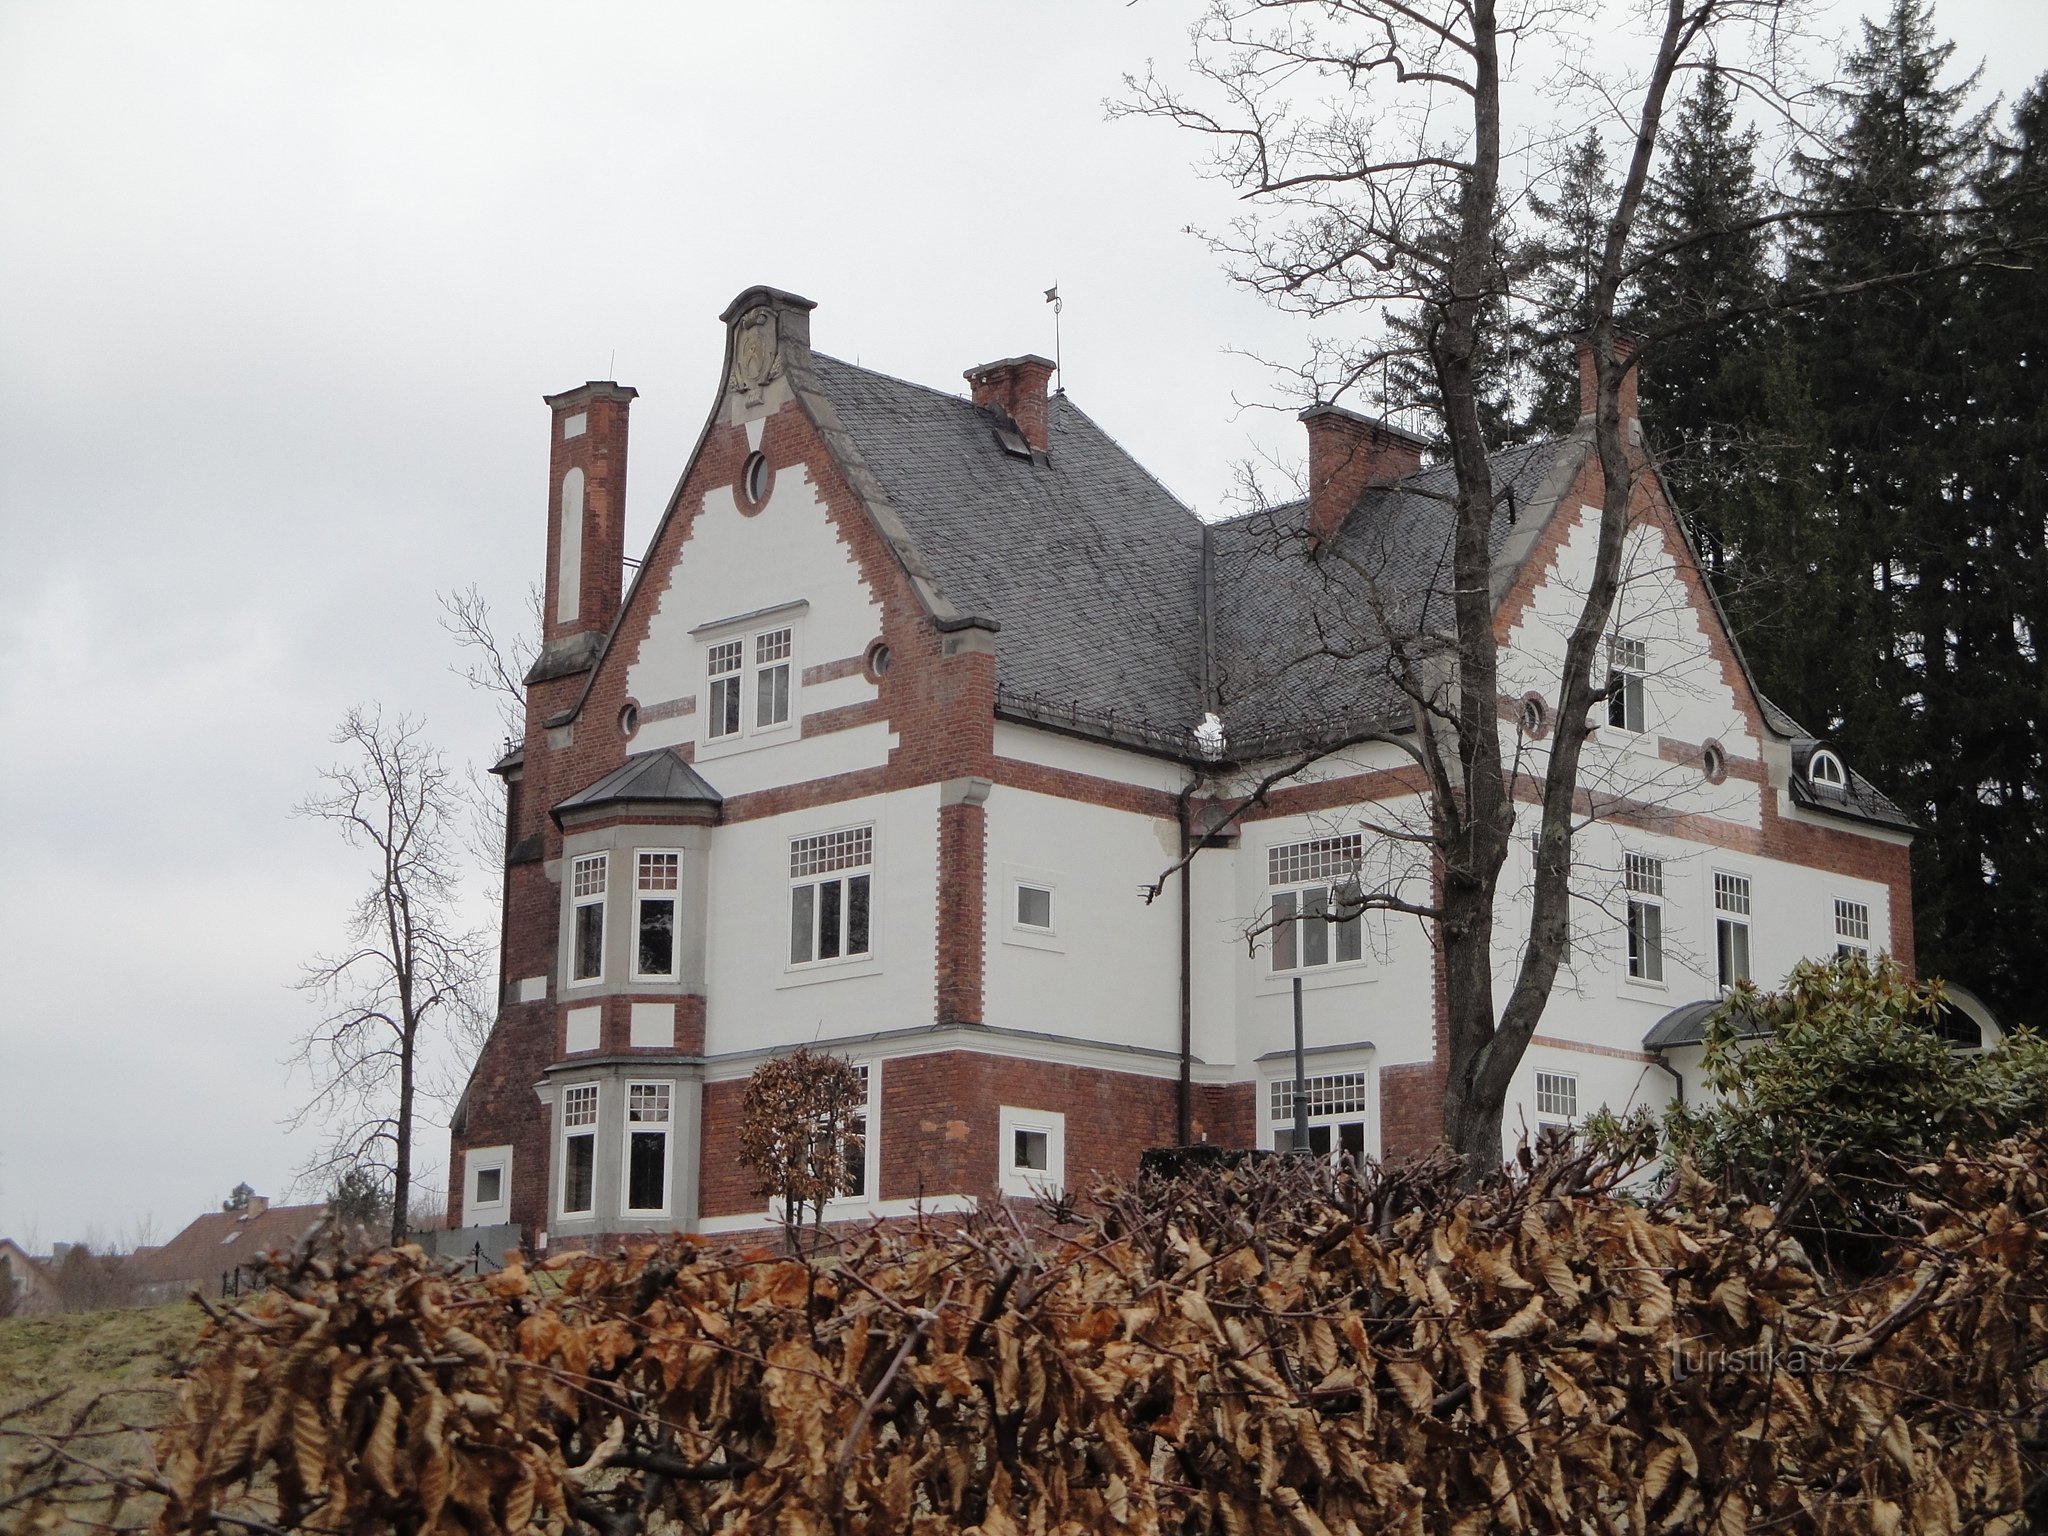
(1346, 453)
(1016, 386)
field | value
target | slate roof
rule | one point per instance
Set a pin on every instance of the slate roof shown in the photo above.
(1123, 617)
(1090, 565)
(1274, 608)
(656, 776)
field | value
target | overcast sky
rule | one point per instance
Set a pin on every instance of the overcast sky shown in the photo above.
(280, 289)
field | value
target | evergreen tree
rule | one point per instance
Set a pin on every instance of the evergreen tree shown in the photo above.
(1564, 265)
(1981, 864)
(1703, 261)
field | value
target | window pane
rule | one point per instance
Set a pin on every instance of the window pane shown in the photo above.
(1632, 696)
(801, 923)
(1315, 933)
(857, 915)
(854, 1152)
(1351, 1140)
(1617, 706)
(589, 941)
(831, 897)
(1283, 931)
(657, 938)
(1350, 932)
(1029, 1155)
(1733, 951)
(577, 1172)
(1319, 1140)
(725, 706)
(771, 695)
(1034, 906)
(647, 1171)
(1653, 941)
(490, 1184)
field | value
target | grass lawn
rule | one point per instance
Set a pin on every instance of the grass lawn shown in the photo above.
(124, 1358)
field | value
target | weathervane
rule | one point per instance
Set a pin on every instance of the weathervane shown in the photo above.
(1052, 297)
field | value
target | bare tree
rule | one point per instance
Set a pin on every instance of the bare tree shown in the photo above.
(410, 968)
(1369, 136)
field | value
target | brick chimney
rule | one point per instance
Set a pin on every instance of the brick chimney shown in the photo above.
(1016, 386)
(586, 510)
(1589, 386)
(1346, 453)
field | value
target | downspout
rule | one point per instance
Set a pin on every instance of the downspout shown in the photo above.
(1677, 1082)
(1187, 991)
(1204, 583)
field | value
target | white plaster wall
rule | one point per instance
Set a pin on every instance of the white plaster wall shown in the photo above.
(1049, 749)
(1111, 970)
(755, 999)
(1687, 696)
(734, 564)
(1792, 917)
(1610, 1082)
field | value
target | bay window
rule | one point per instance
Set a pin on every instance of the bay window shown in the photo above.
(649, 1107)
(654, 920)
(579, 1149)
(586, 936)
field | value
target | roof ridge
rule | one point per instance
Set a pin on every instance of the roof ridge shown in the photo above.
(894, 378)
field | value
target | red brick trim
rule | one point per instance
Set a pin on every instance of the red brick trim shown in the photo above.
(1112, 794)
(822, 722)
(832, 671)
(962, 908)
(1557, 1043)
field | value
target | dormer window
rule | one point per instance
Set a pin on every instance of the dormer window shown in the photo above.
(1824, 771)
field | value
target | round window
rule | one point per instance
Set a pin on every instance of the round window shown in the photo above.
(1714, 762)
(629, 720)
(1535, 716)
(754, 481)
(877, 660)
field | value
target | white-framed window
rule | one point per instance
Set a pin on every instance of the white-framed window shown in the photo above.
(643, 1173)
(722, 664)
(486, 1186)
(657, 884)
(831, 879)
(856, 1151)
(1629, 664)
(1338, 1103)
(1644, 877)
(1032, 1146)
(737, 706)
(1826, 770)
(772, 652)
(1034, 906)
(1030, 911)
(1557, 1100)
(586, 930)
(1852, 927)
(1309, 880)
(1731, 927)
(579, 1149)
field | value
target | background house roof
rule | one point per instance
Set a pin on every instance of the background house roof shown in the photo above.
(223, 1240)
